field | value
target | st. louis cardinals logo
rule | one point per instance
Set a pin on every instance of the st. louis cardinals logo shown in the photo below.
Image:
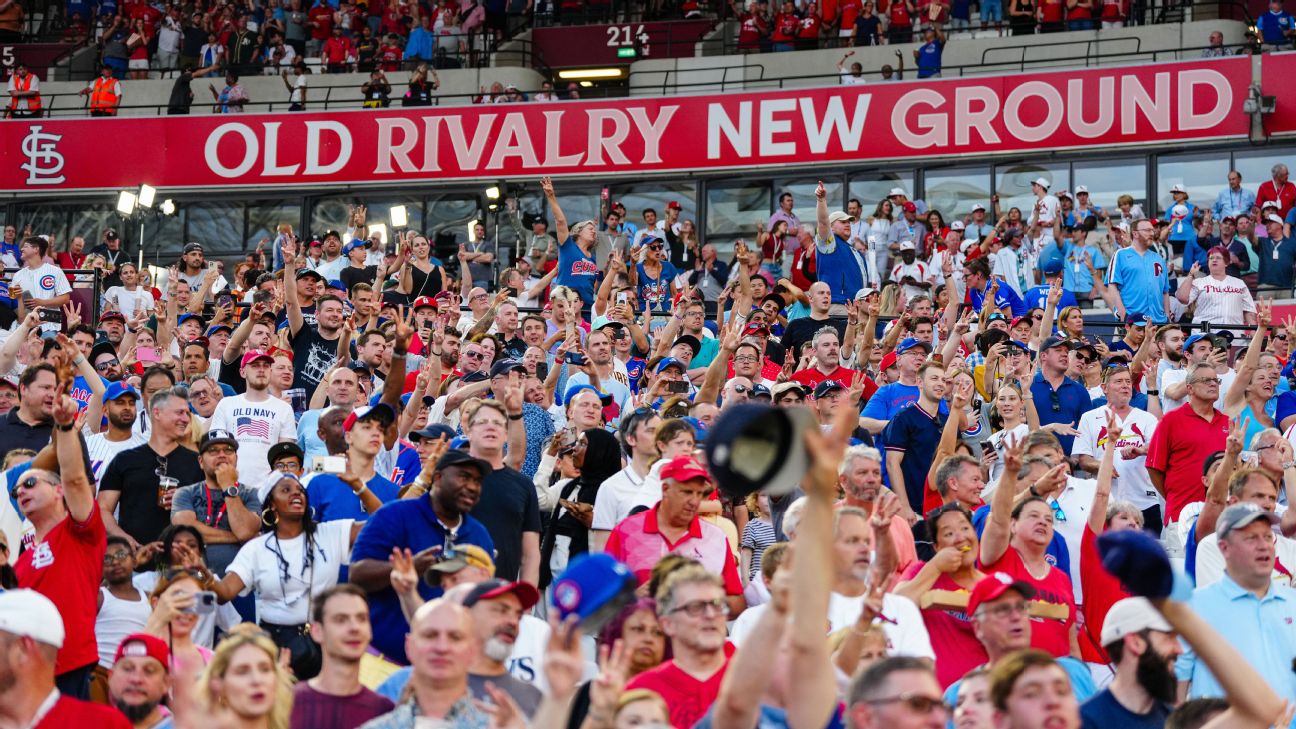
(43, 159)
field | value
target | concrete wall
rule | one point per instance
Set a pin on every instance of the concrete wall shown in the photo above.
(343, 91)
(990, 56)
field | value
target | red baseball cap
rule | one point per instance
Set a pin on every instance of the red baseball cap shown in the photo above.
(910, 207)
(888, 361)
(253, 355)
(684, 468)
(755, 327)
(674, 204)
(141, 645)
(423, 301)
(381, 412)
(993, 586)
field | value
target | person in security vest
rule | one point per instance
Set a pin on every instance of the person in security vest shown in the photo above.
(24, 93)
(105, 93)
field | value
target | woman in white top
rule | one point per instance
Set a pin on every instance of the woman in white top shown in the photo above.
(1220, 298)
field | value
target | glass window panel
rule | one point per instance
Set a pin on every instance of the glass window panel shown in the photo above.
(734, 208)
(264, 221)
(163, 238)
(872, 188)
(1201, 174)
(803, 196)
(1108, 179)
(638, 198)
(46, 220)
(217, 226)
(91, 221)
(1256, 166)
(446, 221)
(1013, 183)
(954, 190)
(330, 213)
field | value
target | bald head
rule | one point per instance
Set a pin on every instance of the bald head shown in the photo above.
(441, 644)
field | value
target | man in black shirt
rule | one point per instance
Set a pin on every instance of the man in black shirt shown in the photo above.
(356, 270)
(314, 348)
(799, 331)
(142, 481)
(508, 506)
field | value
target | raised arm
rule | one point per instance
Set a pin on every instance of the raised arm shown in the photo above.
(959, 399)
(560, 220)
(821, 212)
(995, 539)
(714, 379)
(292, 304)
(1102, 494)
(1217, 489)
(9, 352)
(78, 491)
(1235, 398)
(240, 335)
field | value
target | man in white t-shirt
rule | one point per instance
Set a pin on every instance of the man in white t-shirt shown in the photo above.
(1174, 383)
(1133, 482)
(256, 419)
(1045, 210)
(912, 274)
(37, 283)
(631, 486)
(129, 298)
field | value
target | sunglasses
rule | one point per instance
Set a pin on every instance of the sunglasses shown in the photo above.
(106, 364)
(741, 389)
(28, 483)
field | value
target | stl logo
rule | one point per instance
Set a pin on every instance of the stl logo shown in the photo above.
(44, 162)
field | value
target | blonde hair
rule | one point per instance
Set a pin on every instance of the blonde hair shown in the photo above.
(636, 695)
(244, 635)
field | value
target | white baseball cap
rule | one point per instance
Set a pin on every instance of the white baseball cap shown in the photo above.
(907, 245)
(1271, 218)
(896, 191)
(29, 613)
(1081, 190)
(1063, 193)
(957, 225)
(1270, 204)
(978, 206)
(1041, 182)
(1178, 188)
(1179, 211)
(1132, 615)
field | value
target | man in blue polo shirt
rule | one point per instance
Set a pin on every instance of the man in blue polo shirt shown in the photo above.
(976, 275)
(838, 264)
(1058, 398)
(1140, 277)
(1276, 27)
(911, 437)
(424, 525)
(1037, 297)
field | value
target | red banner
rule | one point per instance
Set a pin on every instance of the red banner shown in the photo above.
(1276, 74)
(1152, 104)
(37, 56)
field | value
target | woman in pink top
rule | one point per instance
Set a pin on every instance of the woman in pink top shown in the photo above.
(173, 619)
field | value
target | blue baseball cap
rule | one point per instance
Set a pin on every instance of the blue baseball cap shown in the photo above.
(1140, 562)
(432, 432)
(574, 390)
(354, 244)
(336, 284)
(671, 362)
(119, 389)
(595, 588)
(910, 343)
(218, 328)
(1051, 267)
(1055, 341)
(699, 429)
(1190, 341)
(1019, 344)
(186, 317)
(1136, 320)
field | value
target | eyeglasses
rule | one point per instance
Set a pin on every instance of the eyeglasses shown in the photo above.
(106, 364)
(477, 297)
(915, 702)
(747, 358)
(118, 556)
(285, 466)
(199, 394)
(695, 312)
(28, 483)
(221, 449)
(698, 608)
(1204, 381)
(1005, 610)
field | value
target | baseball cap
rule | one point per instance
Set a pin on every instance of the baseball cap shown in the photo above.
(840, 216)
(308, 273)
(910, 207)
(286, 448)
(1136, 320)
(910, 343)
(1190, 341)
(670, 362)
(9, 380)
(1240, 515)
(907, 245)
(193, 246)
(462, 555)
(111, 315)
(896, 191)
(1081, 346)
(1271, 218)
(143, 645)
(1052, 267)
(505, 366)
(756, 328)
(888, 361)
(186, 317)
(215, 437)
(1179, 211)
(957, 225)
(432, 432)
(1178, 188)
(823, 389)
(759, 390)
(1063, 193)
(102, 347)
(493, 588)
(353, 244)
(978, 206)
(455, 457)
(1042, 183)
(864, 293)
(1018, 344)
(471, 377)
(674, 204)
(684, 468)
(690, 341)
(604, 397)
(218, 328)
(1132, 615)
(594, 588)
(424, 302)
(1270, 204)
(1052, 342)
(27, 613)
(783, 387)
(253, 355)
(993, 586)
(1081, 190)
(119, 389)
(382, 411)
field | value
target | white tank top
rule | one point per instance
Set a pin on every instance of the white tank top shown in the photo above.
(116, 620)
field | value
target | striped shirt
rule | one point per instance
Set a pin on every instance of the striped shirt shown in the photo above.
(101, 451)
(757, 535)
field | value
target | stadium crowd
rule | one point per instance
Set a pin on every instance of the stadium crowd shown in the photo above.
(875, 471)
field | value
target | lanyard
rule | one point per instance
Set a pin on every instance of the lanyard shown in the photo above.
(208, 519)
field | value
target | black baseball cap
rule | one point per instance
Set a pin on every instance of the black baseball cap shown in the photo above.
(505, 366)
(456, 457)
(216, 437)
(279, 450)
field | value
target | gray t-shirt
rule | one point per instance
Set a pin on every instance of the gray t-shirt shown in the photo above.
(214, 513)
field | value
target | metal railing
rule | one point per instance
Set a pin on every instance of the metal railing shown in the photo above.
(87, 289)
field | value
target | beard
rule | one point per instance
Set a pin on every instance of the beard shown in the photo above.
(1156, 677)
(497, 650)
(1173, 355)
(135, 713)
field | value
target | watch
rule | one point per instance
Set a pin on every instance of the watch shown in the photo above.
(232, 492)
(1153, 393)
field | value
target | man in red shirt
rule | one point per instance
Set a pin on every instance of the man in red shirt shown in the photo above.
(320, 21)
(336, 50)
(692, 609)
(65, 561)
(1278, 189)
(1184, 438)
(30, 623)
(827, 364)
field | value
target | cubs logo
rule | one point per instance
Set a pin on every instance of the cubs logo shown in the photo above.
(47, 283)
(567, 595)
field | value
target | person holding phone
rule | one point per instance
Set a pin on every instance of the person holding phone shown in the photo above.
(129, 298)
(37, 283)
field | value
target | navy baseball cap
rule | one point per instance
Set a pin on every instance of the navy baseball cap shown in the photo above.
(1055, 341)
(505, 366)
(1136, 320)
(1051, 268)
(823, 389)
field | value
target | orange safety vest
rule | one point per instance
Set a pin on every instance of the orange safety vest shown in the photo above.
(24, 84)
(104, 96)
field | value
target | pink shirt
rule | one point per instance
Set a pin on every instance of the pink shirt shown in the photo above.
(639, 543)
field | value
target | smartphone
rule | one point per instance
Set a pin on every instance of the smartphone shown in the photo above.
(224, 300)
(987, 447)
(574, 358)
(677, 386)
(328, 464)
(623, 298)
(212, 265)
(204, 603)
(147, 354)
(50, 316)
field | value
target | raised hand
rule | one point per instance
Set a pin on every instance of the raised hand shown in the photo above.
(1237, 429)
(1013, 449)
(71, 314)
(404, 579)
(564, 665)
(606, 688)
(820, 191)
(546, 186)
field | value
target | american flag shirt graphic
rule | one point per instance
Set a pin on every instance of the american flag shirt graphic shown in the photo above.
(245, 427)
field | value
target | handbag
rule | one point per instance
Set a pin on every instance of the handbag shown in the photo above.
(305, 656)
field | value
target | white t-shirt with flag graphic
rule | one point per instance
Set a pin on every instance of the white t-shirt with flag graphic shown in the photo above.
(256, 426)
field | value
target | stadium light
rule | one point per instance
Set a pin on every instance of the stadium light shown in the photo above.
(147, 194)
(589, 73)
(126, 202)
(493, 192)
(399, 216)
(167, 207)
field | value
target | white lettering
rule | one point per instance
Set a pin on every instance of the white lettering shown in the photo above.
(599, 142)
(652, 131)
(1103, 101)
(981, 119)
(468, 155)
(849, 133)
(390, 151)
(769, 126)
(738, 135)
(933, 130)
(513, 140)
(1052, 111)
(1189, 117)
(1156, 109)
(314, 142)
(553, 143)
(431, 144)
(250, 150)
(271, 167)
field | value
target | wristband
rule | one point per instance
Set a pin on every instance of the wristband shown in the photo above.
(1032, 491)
(1153, 392)
(79, 359)
(66, 428)
(363, 488)
(515, 417)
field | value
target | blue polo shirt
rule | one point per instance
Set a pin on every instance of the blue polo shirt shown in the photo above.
(408, 524)
(1006, 298)
(332, 499)
(1075, 274)
(1064, 405)
(1037, 298)
(1143, 281)
(915, 433)
(839, 266)
(1260, 629)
